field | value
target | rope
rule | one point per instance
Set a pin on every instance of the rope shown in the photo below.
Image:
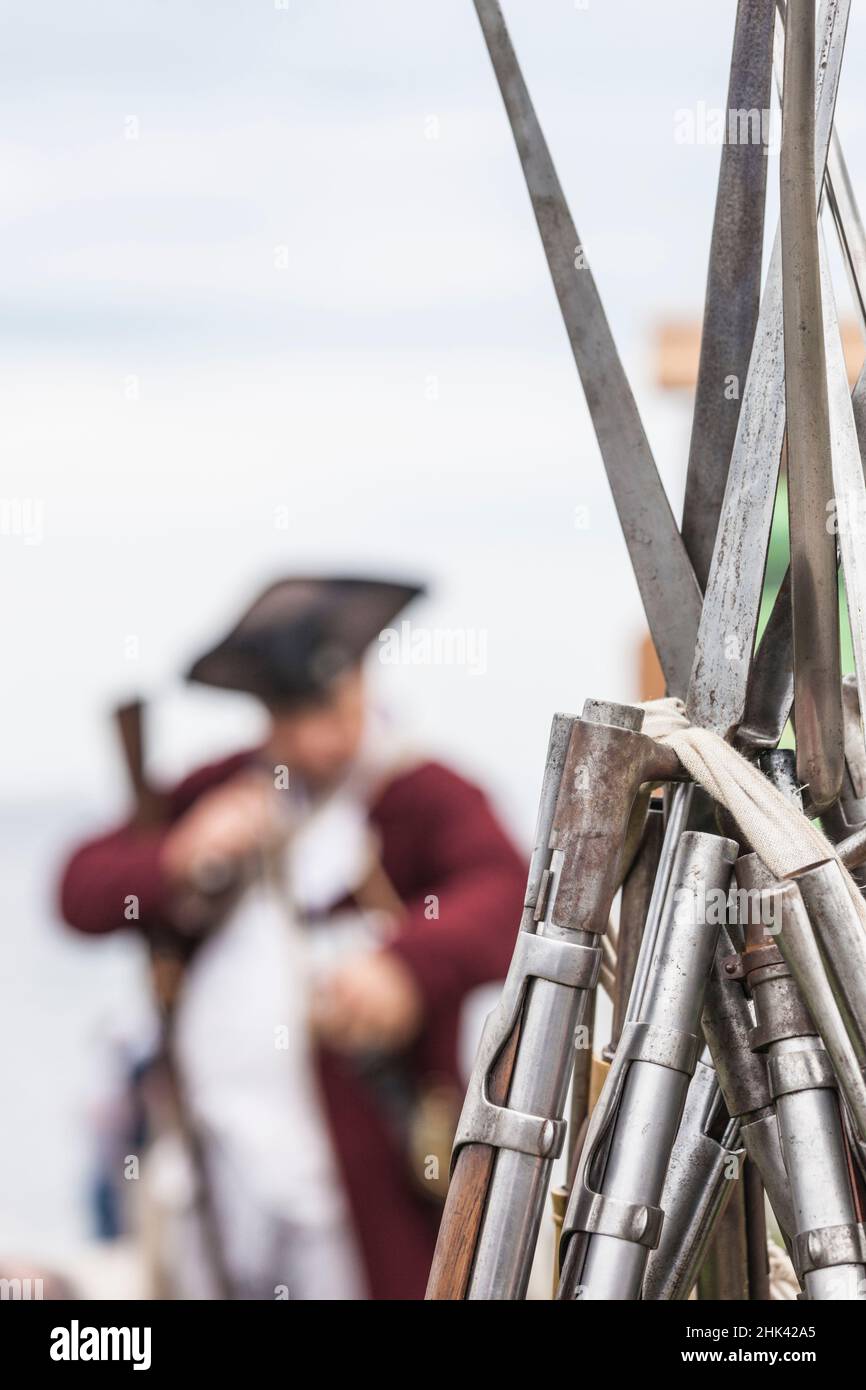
(774, 826)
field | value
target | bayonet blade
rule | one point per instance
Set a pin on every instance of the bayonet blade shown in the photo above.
(849, 489)
(733, 291)
(771, 682)
(814, 586)
(726, 635)
(668, 588)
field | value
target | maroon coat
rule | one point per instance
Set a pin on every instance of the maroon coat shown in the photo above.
(438, 836)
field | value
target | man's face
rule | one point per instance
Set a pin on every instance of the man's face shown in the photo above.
(319, 741)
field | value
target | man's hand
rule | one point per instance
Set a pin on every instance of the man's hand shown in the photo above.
(371, 1003)
(221, 829)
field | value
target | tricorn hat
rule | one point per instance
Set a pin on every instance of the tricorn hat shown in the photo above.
(299, 635)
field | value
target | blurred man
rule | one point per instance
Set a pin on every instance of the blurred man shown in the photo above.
(344, 894)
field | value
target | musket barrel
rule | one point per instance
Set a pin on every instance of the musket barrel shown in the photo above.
(841, 934)
(472, 1165)
(696, 1190)
(515, 1203)
(800, 949)
(812, 1139)
(613, 1217)
(829, 1244)
(510, 1139)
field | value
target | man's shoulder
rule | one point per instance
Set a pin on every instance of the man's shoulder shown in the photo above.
(209, 775)
(429, 783)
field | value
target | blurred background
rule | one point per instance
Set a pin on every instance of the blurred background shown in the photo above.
(273, 300)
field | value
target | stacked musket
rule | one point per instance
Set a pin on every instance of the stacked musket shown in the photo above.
(736, 1067)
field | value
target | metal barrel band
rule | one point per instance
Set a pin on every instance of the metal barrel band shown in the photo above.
(481, 1121)
(502, 1128)
(639, 1042)
(665, 1047)
(828, 1246)
(598, 1215)
(561, 962)
(791, 1072)
(765, 963)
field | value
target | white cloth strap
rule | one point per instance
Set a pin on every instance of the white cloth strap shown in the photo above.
(783, 837)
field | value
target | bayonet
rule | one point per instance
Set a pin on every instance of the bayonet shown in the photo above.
(726, 635)
(847, 511)
(770, 691)
(733, 283)
(814, 586)
(668, 588)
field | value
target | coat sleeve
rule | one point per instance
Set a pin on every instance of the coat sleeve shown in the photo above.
(462, 882)
(116, 880)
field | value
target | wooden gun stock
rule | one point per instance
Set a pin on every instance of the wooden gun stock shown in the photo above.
(149, 803)
(467, 1194)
